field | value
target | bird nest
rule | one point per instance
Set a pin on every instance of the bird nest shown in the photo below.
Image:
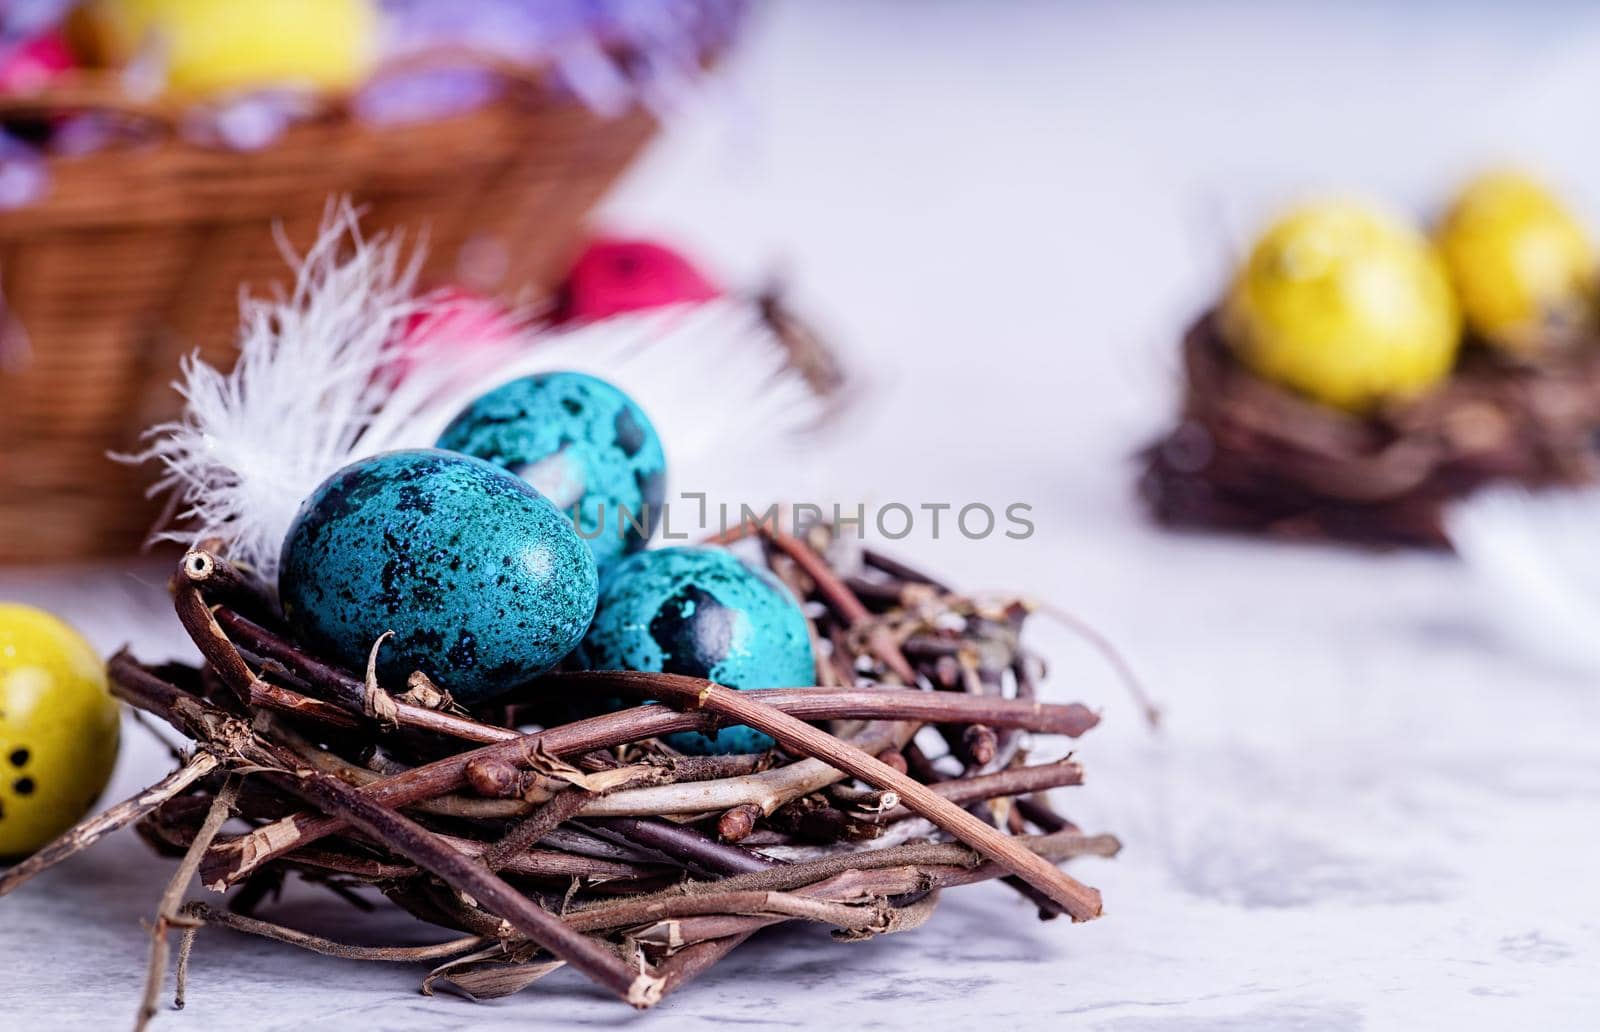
(1249, 456)
(542, 838)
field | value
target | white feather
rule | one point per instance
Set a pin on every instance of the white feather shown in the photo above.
(253, 442)
(312, 392)
(730, 410)
(1538, 558)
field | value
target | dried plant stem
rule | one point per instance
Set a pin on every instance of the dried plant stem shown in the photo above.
(527, 833)
(92, 829)
(554, 864)
(853, 916)
(860, 904)
(345, 691)
(180, 976)
(1001, 783)
(874, 916)
(1038, 813)
(1079, 900)
(469, 807)
(206, 914)
(682, 845)
(1112, 655)
(854, 901)
(273, 699)
(734, 905)
(767, 791)
(901, 571)
(208, 637)
(737, 823)
(877, 703)
(221, 581)
(949, 857)
(167, 913)
(844, 602)
(234, 860)
(688, 964)
(468, 876)
(823, 703)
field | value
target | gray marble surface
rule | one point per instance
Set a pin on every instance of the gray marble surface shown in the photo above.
(1365, 810)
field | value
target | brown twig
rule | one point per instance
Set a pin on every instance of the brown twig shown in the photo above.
(1009, 782)
(682, 845)
(1080, 901)
(203, 913)
(466, 875)
(738, 822)
(527, 833)
(233, 861)
(344, 690)
(168, 915)
(220, 581)
(92, 829)
(844, 602)
(822, 703)
(947, 858)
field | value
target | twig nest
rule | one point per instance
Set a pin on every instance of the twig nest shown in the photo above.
(704, 613)
(1248, 455)
(583, 444)
(1345, 304)
(1523, 267)
(58, 729)
(482, 580)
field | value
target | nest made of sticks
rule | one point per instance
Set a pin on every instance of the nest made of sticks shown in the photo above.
(1250, 456)
(587, 841)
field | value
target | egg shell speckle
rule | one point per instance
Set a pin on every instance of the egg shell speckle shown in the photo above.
(582, 443)
(484, 582)
(704, 613)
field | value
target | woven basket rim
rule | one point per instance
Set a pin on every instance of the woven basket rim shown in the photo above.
(104, 89)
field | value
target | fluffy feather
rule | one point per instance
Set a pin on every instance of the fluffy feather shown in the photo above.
(252, 442)
(730, 410)
(1539, 559)
(313, 390)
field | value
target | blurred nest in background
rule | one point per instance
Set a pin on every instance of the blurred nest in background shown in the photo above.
(1250, 456)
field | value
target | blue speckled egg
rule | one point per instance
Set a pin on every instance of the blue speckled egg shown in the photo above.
(484, 582)
(584, 444)
(701, 612)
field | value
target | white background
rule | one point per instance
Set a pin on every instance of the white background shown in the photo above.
(1366, 810)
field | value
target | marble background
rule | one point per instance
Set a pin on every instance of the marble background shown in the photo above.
(1366, 808)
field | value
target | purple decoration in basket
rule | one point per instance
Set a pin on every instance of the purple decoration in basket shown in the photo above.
(23, 18)
(610, 54)
(77, 135)
(248, 122)
(416, 96)
(517, 30)
(23, 176)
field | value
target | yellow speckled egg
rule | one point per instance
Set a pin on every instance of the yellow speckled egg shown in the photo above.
(1346, 304)
(58, 729)
(1522, 265)
(219, 46)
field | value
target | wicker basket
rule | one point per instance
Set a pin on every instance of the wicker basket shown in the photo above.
(138, 256)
